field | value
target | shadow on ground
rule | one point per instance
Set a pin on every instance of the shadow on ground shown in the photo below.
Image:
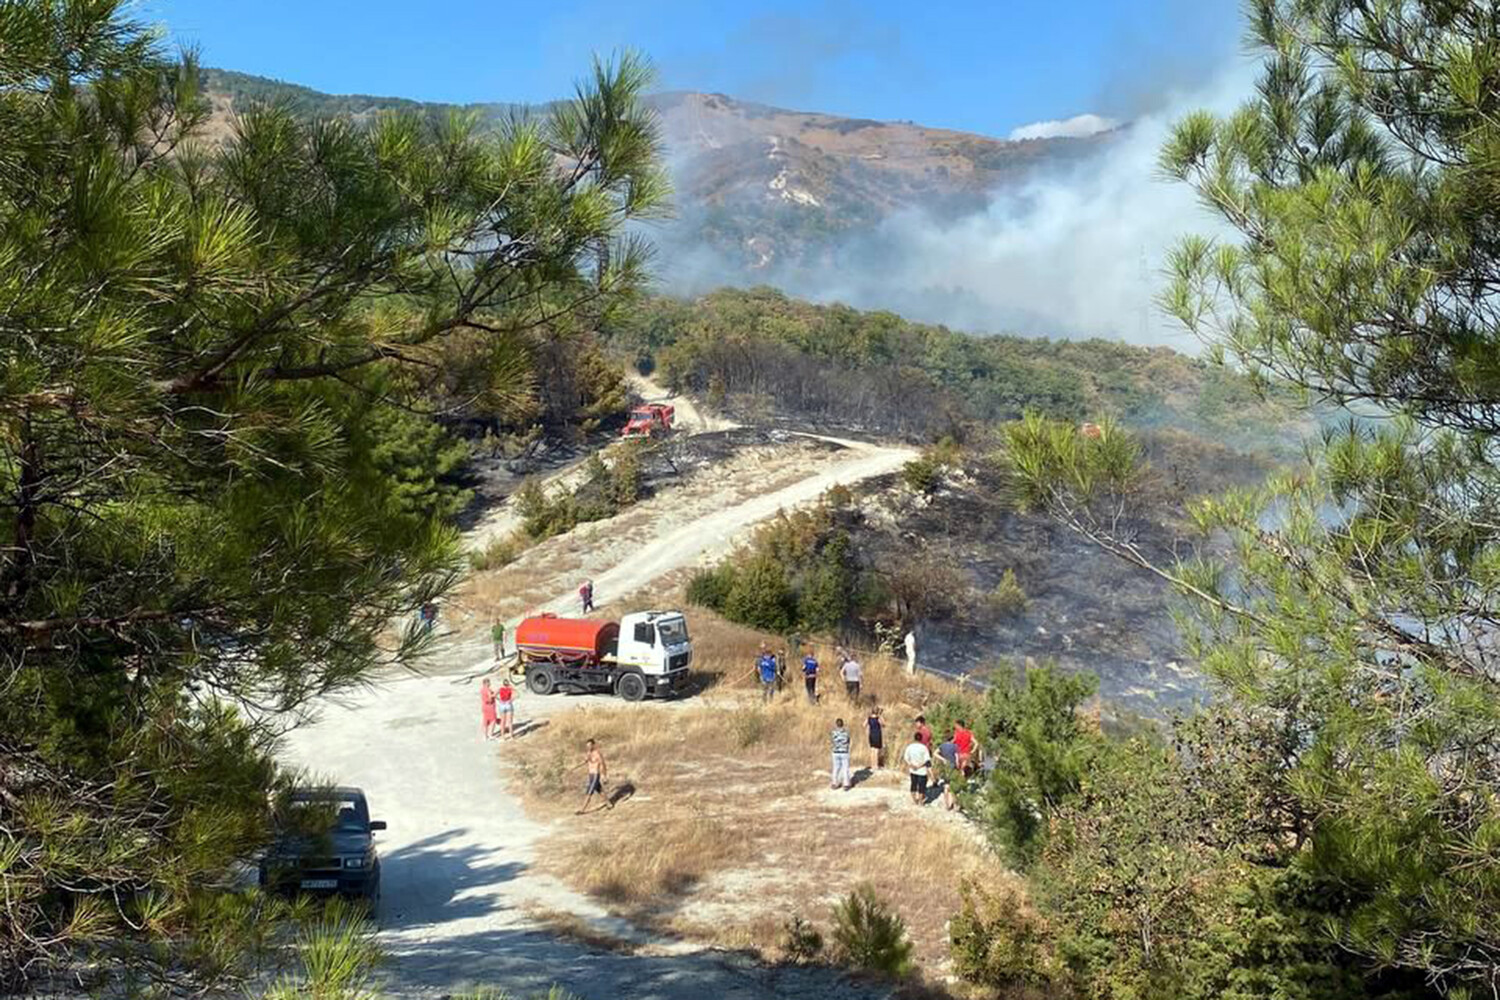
(424, 882)
(527, 963)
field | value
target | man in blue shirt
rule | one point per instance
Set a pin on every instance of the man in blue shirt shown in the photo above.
(810, 676)
(766, 667)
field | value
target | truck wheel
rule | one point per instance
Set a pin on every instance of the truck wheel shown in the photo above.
(631, 687)
(540, 681)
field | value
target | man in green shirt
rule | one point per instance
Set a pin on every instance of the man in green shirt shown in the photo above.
(497, 636)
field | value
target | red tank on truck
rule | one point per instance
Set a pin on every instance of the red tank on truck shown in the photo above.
(646, 654)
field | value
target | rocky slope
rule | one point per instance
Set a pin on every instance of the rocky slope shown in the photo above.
(760, 188)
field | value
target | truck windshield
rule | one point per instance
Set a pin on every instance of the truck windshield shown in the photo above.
(672, 631)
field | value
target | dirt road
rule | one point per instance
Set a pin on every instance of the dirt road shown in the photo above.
(461, 889)
(503, 519)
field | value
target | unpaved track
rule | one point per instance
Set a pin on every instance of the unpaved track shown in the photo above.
(459, 860)
(503, 519)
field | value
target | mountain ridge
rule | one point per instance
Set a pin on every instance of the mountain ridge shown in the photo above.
(759, 188)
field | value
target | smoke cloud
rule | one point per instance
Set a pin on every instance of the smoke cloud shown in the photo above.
(1076, 127)
(1073, 251)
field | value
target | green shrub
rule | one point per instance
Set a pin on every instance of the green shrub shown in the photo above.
(869, 936)
(760, 596)
(1008, 599)
(626, 476)
(922, 474)
(709, 588)
(800, 941)
(1042, 747)
(827, 595)
(997, 939)
(499, 553)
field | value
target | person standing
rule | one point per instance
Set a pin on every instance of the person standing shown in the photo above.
(875, 733)
(497, 636)
(505, 707)
(910, 642)
(918, 762)
(810, 677)
(947, 763)
(586, 596)
(963, 740)
(852, 673)
(840, 743)
(924, 731)
(487, 708)
(765, 668)
(593, 759)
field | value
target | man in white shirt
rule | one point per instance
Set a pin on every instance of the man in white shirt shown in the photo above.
(852, 673)
(918, 762)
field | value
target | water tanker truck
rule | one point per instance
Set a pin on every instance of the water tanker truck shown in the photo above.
(643, 654)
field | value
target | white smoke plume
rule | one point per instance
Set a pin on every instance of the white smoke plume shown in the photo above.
(1075, 251)
(1079, 126)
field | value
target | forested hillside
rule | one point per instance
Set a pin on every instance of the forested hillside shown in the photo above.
(761, 354)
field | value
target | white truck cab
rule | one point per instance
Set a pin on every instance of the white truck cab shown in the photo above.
(657, 643)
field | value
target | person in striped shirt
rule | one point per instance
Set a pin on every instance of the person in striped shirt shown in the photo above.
(840, 739)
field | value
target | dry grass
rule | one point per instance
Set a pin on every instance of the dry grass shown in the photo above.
(726, 826)
(575, 928)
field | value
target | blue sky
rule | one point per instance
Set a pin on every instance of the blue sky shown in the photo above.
(981, 66)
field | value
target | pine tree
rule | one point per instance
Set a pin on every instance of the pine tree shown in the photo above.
(197, 536)
(1353, 631)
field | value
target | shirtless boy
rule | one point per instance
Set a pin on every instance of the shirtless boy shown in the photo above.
(598, 771)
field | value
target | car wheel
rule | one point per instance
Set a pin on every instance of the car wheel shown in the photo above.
(631, 687)
(540, 681)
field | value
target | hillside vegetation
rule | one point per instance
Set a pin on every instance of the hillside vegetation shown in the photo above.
(760, 354)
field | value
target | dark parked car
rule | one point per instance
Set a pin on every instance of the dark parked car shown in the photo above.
(324, 844)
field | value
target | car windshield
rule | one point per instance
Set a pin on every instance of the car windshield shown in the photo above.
(330, 812)
(672, 631)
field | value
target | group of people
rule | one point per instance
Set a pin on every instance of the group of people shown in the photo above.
(770, 669)
(928, 767)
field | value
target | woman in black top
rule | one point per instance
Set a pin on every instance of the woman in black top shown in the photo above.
(877, 739)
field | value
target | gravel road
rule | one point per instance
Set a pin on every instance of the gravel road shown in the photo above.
(460, 880)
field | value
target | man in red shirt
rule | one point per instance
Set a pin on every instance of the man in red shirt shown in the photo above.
(963, 740)
(924, 732)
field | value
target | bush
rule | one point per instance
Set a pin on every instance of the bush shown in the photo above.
(1008, 599)
(760, 596)
(827, 594)
(997, 939)
(800, 941)
(1043, 749)
(868, 935)
(625, 476)
(709, 588)
(922, 474)
(749, 726)
(499, 553)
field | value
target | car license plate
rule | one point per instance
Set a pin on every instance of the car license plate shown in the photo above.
(320, 883)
